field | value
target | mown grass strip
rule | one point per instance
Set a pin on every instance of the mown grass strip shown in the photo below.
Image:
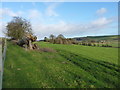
(103, 72)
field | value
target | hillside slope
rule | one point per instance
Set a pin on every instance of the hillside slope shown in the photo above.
(71, 66)
(111, 40)
(109, 37)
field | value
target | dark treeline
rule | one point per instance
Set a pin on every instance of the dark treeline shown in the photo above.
(95, 43)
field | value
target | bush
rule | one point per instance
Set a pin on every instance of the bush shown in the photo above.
(94, 44)
(89, 44)
(98, 45)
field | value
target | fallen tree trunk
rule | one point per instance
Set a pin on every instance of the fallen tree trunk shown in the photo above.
(26, 42)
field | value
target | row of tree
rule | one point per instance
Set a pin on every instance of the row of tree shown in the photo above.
(97, 43)
(60, 39)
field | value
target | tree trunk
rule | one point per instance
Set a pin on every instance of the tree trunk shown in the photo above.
(30, 45)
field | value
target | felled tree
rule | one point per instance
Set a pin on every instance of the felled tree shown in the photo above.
(27, 42)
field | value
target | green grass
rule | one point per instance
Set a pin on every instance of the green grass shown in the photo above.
(98, 53)
(114, 43)
(72, 66)
(111, 40)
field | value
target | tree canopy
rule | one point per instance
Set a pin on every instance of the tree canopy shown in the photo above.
(60, 36)
(18, 27)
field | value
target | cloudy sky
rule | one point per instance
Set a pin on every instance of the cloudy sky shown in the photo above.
(72, 19)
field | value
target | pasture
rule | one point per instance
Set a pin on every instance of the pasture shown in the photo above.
(112, 40)
(71, 66)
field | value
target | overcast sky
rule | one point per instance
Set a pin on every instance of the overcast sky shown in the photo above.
(72, 19)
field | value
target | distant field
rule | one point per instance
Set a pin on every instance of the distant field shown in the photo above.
(114, 43)
(109, 37)
(110, 40)
(71, 66)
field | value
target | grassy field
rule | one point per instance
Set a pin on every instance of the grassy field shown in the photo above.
(72, 66)
(111, 40)
(108, 38)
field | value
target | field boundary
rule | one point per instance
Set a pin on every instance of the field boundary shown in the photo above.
(2, 59)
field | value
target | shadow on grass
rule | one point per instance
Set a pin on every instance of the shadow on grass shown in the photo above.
(103, 71)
